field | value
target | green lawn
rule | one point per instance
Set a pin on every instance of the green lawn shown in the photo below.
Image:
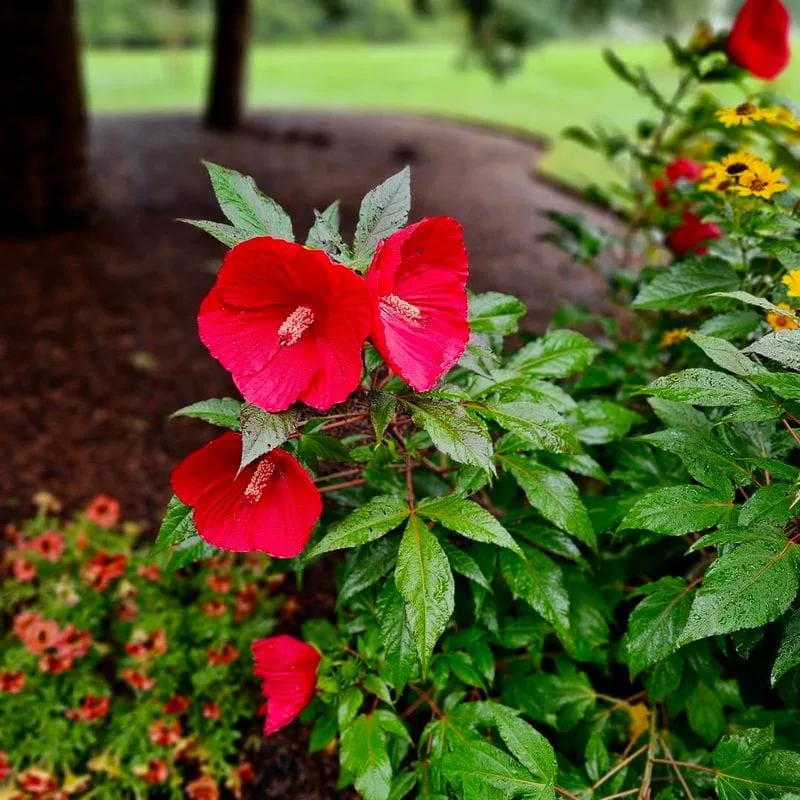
(561, 84)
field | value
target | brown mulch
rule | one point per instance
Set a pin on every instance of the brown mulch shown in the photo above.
(98, 340)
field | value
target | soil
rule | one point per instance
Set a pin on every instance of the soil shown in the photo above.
(98, 340)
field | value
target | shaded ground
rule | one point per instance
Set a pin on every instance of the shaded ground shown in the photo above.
(97, 331)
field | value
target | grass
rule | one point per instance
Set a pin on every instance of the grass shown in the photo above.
(561, 84)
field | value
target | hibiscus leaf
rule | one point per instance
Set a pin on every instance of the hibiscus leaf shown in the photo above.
(192, 549)
(245, 206)
(687, 285)
(424, 579)
(366, 524)
(324, 233)
(452, 430)
(227, 234)
(703, 387)
(789, 651)
(398, 643)
(384, 210)
(781, 346)
(222, 411)
(467, 518)
(557, 354)
(382, 406)
(364, 755)
(176, 527)
(725, 355)
(263, 431)
(526, 743)
(493, 312)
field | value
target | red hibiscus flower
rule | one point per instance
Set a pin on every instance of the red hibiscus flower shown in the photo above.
(103, 511)
(49, 545)
(759, 39)
(417, 282)
(689, 236)
(165, 733)
(5, 766)
(156, 772)
(680, 168)
(101, 570)
(222, 656)
(176, 704)
(212, 711)
(288, 668)
(287, 323)
(91, 709)
(150, 572)
(23, 569)
(12, 682)
(138, 680)
(204, 788)
(37, 781)
(271, 505)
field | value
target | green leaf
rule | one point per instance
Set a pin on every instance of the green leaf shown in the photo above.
(744, 588)
(725, 355)
(365, 566)
(787, 251)
(748, 766)
(538, 424)
(366, 524)
(467, 518)
(676, 510)
(384, 210)
(324, 233)
(476, 769)
(538, 580)
(349, 703)
(789, 650)
(245, 206)
(223, 411)
(452, 430)
(553, 495)
(781, 346)
(364, 756)
(705, 711)
(703, 387)
(226, 234)
(555, 355)
(424, 579)
(263, 431)
(530, 748)
(187, 551)
(686, 286)
(770, 504)
(176, 527)
(398, 643)
(382, 406)
(656, 623)
(760, 302)
(492, 312)
(732, 325)
(464, 564)
(601, 421)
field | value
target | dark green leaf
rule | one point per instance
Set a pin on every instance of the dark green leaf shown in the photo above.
(676, 510)
(263, 431)
(384, 210)
(223, 412)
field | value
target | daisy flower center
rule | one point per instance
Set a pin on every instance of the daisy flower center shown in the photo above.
(258, 482)
(402, 308)
(746, 110)
(295, 325)
(757, 185)
(736, 168)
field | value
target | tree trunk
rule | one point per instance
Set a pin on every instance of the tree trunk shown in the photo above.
(43, 169)
(226, 91)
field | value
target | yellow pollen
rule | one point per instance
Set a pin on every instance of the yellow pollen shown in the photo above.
(402, 308)
(258, 482)
(295, 325)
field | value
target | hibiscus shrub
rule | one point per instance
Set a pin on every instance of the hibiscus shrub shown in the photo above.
(116, 679)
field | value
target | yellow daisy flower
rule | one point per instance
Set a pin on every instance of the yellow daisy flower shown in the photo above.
(675, 336)
(761, 181)
(737, 164)
(779, 322)
(780, 116)
(792, 282)
(743, 114)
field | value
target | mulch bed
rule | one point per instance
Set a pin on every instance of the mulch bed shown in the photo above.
(98, 338)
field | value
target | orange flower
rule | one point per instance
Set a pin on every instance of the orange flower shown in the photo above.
(49, 545)
(213, 608)
(165, 733)
(143, 644)
(155, 773)
(221, 656)
(246, 599)
(40, 635)
(12, 682)
(204, 788)
(128, 611)
(221, 584)
(150, 572)
(37, 781)
(74, 643)
(176, 704)
(5, 767)
(102, 569)
(23, 620)
(23, 569)
(780, 322)
(244, 773)
(55, 664)
(103, 511)
(138, 680)
(212, 711)
(91, 709)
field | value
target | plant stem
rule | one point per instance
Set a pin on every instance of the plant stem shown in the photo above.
(622, 764)
(344, 485)
(687, 764)
(674, 765)
(644, 789)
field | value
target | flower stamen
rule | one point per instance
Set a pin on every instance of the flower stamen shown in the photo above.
(402, 308)
(259, 480)
(295, 325)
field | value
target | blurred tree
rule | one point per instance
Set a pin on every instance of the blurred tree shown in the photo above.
(43, 182)
(226, 88)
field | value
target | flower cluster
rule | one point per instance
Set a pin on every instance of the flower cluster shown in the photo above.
(745, 174)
